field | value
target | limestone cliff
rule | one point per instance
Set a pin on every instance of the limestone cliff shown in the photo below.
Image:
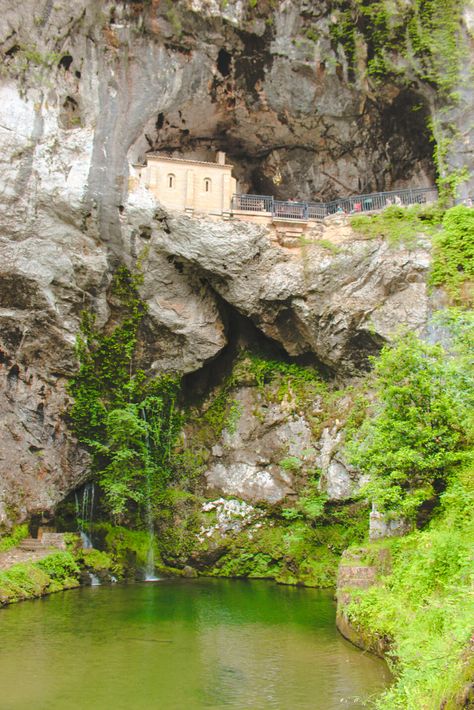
(89, 87)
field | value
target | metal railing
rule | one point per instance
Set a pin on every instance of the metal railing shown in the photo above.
(253, 203)
(290, 210)
(356, 204)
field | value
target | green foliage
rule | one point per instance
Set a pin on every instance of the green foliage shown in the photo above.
(449, 179)
(453, 257)
(328, 245)
(129, 423)
(51, 574)
(342, 32)
(459, 325)
(98, 562)
(434, 36)
(425, 33)
(290, 463)
(310, 504)
(128, 549)
(34, 56)
(263, 371)
(223, 411)
(17, 535)
(425, 605)
(400, 225)
(22, 581)
(60, 566)
(292, 549)
(418, 428)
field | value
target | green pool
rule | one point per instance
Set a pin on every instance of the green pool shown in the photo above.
(182, 645)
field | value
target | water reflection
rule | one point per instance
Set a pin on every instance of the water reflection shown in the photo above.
(182, 645)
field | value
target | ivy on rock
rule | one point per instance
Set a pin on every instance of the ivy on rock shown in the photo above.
(129, 422)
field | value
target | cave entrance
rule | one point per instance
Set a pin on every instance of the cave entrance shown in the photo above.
(243, 335)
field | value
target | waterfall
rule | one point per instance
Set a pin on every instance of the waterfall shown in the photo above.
(84, 514)
(150, 555)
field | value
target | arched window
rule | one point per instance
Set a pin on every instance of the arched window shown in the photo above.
(207, 184)
(171, 180)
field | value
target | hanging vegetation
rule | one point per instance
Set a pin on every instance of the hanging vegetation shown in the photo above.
(129, 422)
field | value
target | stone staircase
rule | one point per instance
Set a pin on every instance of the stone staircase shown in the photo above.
(32, 549)
(45, 542)
(360, 569)
(31, 544)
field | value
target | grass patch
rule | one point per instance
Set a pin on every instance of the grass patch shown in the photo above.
(328, 245)
(33, 579)
(400, 225)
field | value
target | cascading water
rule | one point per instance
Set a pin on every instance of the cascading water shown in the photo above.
(95, 581)
(85, 513)
(150, 556)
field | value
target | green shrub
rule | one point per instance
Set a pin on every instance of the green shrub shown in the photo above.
(418, 428)
(60, 566)
(16, 536)
(21, 582)
(453, 255)
(33, 579)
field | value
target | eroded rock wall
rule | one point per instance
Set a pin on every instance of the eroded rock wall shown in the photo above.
(86, 88)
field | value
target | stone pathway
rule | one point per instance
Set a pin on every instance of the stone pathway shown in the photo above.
(28, 550)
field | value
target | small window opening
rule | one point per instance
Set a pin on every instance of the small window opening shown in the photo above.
(207, 184)
(171, 181)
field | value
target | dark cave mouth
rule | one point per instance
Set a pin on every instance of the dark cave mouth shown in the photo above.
(243, 336)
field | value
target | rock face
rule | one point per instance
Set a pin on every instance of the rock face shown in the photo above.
(90, 86)
(338, 306)
(270, 452)
(246, 462)
(39, 458)
(339, 480)
(382, 526)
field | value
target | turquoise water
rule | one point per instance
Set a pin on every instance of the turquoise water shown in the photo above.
(182, 645)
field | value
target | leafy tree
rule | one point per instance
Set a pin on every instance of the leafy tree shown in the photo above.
(417, 429)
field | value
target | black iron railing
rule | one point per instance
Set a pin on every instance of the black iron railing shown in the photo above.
(253, 203)
(289, 209)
